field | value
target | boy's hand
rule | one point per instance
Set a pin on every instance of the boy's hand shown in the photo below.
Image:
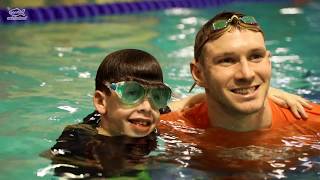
(294, 102)
(187, 102)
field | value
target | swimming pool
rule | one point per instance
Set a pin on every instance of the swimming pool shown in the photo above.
(47, 74)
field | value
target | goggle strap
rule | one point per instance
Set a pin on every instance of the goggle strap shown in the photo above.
(193, 85)
(231, 19)
(245, 19)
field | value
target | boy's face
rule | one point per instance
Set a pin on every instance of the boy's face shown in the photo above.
(236, 71)
(134, 121)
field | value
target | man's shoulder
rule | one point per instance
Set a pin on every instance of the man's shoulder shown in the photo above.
(315, 109)
(279, 109)
(282, 114)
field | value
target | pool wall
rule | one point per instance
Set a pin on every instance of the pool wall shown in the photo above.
(80, 11)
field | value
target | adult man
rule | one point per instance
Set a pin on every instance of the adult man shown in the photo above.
(245, 132)
(232, 64)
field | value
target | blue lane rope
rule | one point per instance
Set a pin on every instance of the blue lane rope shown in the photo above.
(65, 13)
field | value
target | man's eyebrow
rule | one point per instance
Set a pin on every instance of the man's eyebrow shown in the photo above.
(229, 54)
(226, 54)
(258, 50)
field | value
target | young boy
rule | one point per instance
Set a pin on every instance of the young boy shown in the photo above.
(129, 96)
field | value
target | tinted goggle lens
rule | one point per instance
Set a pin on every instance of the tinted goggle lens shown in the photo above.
(221, 24)
(160, 96)
(248, 20)
(132, 92)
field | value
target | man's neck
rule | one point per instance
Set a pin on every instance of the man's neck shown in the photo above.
(220, 117)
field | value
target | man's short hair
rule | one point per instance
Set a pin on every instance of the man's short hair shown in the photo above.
(207, 32)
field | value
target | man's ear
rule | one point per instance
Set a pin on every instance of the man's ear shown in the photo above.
(99, 101)
(197, 73)
(269, 57)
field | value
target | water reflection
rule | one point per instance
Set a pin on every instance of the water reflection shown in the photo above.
(253, 155)
(46, 66)
(99, 156)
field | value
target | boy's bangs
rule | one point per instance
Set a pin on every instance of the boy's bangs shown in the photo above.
(147, 83)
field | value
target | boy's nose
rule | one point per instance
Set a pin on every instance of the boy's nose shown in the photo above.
(145, 106)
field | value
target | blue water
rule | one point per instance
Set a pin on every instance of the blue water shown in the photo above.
(47, 71)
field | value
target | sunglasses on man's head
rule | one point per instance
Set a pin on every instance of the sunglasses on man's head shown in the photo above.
(132, 93)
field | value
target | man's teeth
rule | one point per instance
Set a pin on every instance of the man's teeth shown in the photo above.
(244, 91)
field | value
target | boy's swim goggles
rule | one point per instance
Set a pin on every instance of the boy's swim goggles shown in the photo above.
(133, 93)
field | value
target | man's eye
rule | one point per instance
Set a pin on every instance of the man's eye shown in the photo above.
(256, 57)
(226, 61)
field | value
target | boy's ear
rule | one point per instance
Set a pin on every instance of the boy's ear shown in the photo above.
(197, 73)
(99, 101)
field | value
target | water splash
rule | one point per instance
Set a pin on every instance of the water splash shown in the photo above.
(291, 10)
(49, 170)
(68, 108)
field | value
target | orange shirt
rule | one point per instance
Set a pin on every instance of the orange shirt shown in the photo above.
(197, 117)
(285, 143)
(284, 124)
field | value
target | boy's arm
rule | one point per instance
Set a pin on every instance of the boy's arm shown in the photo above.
(294, 102)
(186, 102)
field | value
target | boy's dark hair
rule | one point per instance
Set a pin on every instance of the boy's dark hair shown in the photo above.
(129, 64)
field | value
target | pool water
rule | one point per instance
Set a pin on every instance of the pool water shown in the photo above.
(47, 79)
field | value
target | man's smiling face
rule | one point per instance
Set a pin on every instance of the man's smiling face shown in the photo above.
(236, 71)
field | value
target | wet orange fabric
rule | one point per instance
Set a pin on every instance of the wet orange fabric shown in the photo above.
(284, 124)
(197, 117)
(285, 142)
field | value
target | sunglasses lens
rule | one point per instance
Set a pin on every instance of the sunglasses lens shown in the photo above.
(160, 96)
(220, 24)
(248, 20)
(131, 92)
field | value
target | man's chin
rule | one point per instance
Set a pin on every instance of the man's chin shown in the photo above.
(245, 105)
(247, 108)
